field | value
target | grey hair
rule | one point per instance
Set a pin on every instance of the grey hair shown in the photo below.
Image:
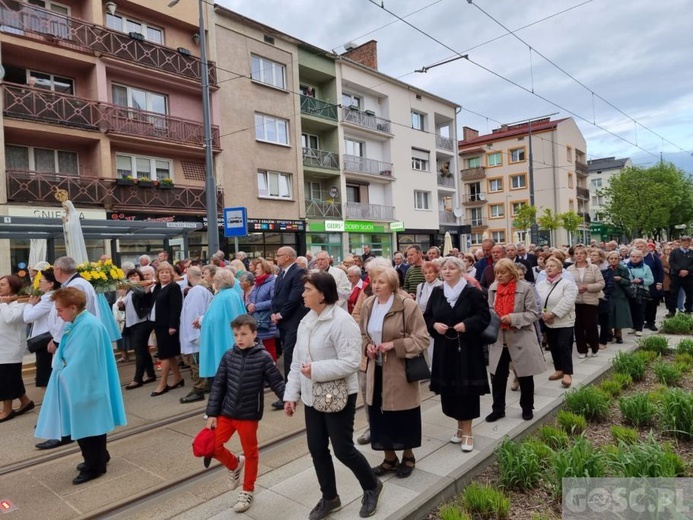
(211, 268)
(144, 257)
(354, 269)
(66, 264)
(377, 262)
(147, 269)
(454, 261)
(127, 266)
(223, 279)
(194, 271)
(246, 276)
(637, 251)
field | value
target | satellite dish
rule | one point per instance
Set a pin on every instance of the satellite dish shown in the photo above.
(334, 192)
(458, 212)
(481, 196)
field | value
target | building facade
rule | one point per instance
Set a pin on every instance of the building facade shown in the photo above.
(600, 173)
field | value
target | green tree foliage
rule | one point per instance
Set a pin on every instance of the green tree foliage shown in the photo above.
(570, 221)
(525, 217)
(549, 221)
(649, 200)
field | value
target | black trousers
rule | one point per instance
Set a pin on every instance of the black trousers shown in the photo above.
(637, 313)
(499, 382)
(651, 308)
(670, 301)
(95, 454)
(561, 346)
(288, 335)
(337, 428)
(586, 328)
(604, 331)
(139, 342)
(685, 283)
(44, 359)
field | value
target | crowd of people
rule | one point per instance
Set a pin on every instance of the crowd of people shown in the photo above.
(353, 325)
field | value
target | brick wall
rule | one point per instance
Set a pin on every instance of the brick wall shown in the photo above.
(366, 54)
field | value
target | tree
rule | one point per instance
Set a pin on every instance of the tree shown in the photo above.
(549, 221)
(525, 217)
(570, 221)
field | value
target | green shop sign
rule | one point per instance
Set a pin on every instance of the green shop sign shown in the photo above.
(350, 226)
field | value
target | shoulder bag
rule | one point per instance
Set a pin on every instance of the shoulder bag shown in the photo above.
(38, 343)
(329, 396)
(490, 334)
(416, 368)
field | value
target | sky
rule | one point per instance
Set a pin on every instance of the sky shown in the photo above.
(632, 57)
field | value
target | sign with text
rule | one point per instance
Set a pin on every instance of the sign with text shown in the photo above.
(235, 222)
(256, 225)
(334, 225)
(396, 226)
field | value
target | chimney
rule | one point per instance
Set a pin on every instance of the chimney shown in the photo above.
(469, 133)
(366, 54)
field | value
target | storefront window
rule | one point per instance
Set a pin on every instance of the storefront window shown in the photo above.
(381, 244)
(330, 242)
(264, 245)
(404, 240)
(20, 248)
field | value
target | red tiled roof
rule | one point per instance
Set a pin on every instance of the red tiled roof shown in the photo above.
(512, 131)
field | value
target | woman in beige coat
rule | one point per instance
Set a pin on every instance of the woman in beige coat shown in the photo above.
(516, 304)
(392, 329)
(590, 282)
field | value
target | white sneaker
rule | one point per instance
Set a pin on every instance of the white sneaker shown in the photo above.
(245, 500)
(234, 477)
(638, 333)
(582, 356)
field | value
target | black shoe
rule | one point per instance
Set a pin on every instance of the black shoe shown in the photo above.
(670, 315)
(494, 416)
(180, 383)
(82, 465)
(157, 394)
(619, 340)
(53, 443)
(324, 508)
(370, 500)
(527, 416)
(653, 327)
(192, 397)
(278, 405)
(85, 477)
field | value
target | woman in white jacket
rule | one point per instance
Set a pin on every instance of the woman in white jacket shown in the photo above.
(557, 297)
(328, 348)
(41, 313)
(431, 270)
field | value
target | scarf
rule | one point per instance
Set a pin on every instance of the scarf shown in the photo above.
(554, 279)
(261, 279)
(505, 301)
(452, 293)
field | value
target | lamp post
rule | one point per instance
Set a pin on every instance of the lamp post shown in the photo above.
(210, 183)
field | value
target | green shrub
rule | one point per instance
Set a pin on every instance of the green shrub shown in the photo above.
(610, 387)
(658, 344)
(578, 460)
(624, 434)
(630, 364)
(685, 346)
(519, 466)
(676, 412)
(485, 501)
(637, 409)
(679, 324)
(553, 437)
(666, 373)
(452, 511)
(588, 401)
(648, 356)
(624, 380)
(644, 459)
(684, 361)
(571, 423)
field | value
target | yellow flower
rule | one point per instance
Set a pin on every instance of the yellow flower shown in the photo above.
(86, 275)
(108, 262)
(37, 279)
(121, 274)
(94, 264)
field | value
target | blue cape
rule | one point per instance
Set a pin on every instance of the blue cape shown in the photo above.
(107, 318)
(216, 335)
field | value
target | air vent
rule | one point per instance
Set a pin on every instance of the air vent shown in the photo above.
(269, 39)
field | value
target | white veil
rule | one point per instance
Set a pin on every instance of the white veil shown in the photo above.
(74, 239)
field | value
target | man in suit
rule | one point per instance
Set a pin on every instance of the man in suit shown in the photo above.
(287, 306)
(524, 255)
(681, 272)
(486, 260)
(511, 251)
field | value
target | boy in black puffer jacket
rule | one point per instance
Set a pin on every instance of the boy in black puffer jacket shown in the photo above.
(236, 404)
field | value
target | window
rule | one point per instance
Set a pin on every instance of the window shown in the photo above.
(42, 160)
(310, 141)
(571, 205)
(313, 191)
(495, 185)
(597, 200)
(140, 167)
(350, 100)
(353, 193)
(474, 162)
(497, 210)
(570, 180)
(353, 147)
(477, 238)
(596, 183)
(55, 24)
(273, 185)
(515, 207)
(50, 82)
(422, 200)
(128, 25)
(569, 153)
(420, 160)
(518, 182)
(498, 236)
(474, 189)
(418, 120)
(271, 129)
(517, 155)
(139, 99)
(445, 204)
(476, 217)
(494, 159)
(268, 72)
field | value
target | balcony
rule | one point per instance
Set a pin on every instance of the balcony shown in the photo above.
(320, 158)
(363, 211)
(445, 143)
(311, 106)
(365, 120)
(446, 181)
(581, 169)
(28, 21)
(585, 216)
(323, 209)
(476, 222)
(356, 164)
(470, 174)
(583, 193)
(40, 188)
(447, 217)
(474, 198)
(33, 104)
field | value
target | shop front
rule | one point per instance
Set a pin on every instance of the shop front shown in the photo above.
(333, 235)
(265, 236)
(424, 238)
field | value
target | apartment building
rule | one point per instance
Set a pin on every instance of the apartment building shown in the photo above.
(103, 100)
(495, 178)
(600, 173)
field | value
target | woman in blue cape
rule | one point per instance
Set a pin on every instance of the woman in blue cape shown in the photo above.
(216, 336)
(83, 398)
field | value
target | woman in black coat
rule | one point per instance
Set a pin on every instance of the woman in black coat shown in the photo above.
(455, 315)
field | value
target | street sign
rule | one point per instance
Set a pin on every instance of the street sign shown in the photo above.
(235, 222)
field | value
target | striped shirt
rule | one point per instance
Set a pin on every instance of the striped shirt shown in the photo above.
(413, 278)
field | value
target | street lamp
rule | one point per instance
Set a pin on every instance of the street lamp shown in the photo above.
(210, 184)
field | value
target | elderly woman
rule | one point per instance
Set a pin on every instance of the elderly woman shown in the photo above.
(515, 302)
(40, 312)
(640, 275)
(216, 336)
(247, 281)
(259, 306)
(83, 399)
(590, 283)
(354, 276)
(456, 314)
(557, 297)
(619, 312)
(598, 258)
(328, 348)
(431, 271)
(12, 347)
(469, 262)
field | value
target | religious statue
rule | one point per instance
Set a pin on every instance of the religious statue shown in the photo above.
(72, 230)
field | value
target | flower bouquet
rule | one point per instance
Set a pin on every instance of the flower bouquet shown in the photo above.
(103, 275)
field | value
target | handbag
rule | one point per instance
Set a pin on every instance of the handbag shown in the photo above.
(631, 291)
(38, 343)
(416, 369)
(329, 396)
(490, 333)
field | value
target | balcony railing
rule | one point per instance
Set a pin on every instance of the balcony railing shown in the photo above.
(323, 209)
(470, 174)
(354, 163)
(476, 222)
(445, 143)
(32, 22)
(365, 120)
(448, 181)
(40, 188)
(320, 158)
(35, 104)
(447, 217)
(585, 216)
(318, 108)
(581, 168)
(474, 198)
(363, 211)
(583, 193)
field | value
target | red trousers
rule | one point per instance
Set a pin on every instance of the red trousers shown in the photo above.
(247, 431)
(270, 345)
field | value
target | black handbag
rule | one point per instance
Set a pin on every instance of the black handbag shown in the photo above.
(490, 334)
(39, 343)
(416, 369)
